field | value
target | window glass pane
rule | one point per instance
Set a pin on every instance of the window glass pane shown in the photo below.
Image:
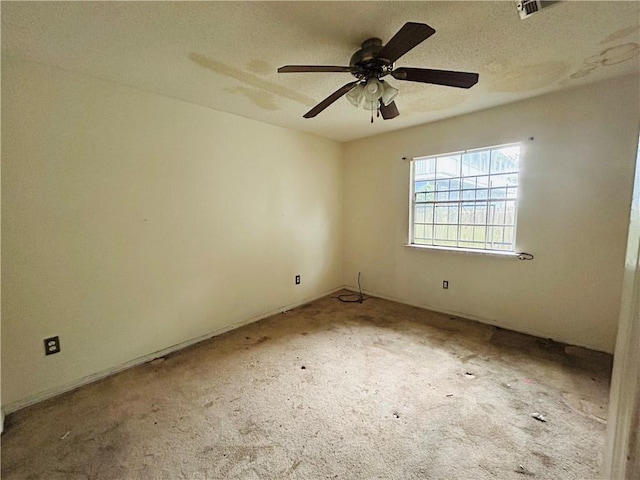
(419, 213)
(466, 213)
(427, 186)
(428, 233)
(498, 212)
(475, 163)
(423, 233)
(482, 181)
(423, 214)
(442, 195)
(448, 235)
(510, 213)
(491, 213)
(469, 183)
(494, 236)
(498, 193)
(442, 213)
(479, 234)
(440, 234)
(423, 189)
(489, 237)
(480, 213)
(508, 237)
(468, 194)
(442, 185)
(466, 233)
(424, 168)
(504, 180)
(505, 159)
(448, 166)
(453, 213)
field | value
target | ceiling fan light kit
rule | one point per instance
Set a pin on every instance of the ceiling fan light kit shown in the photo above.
(374, 61)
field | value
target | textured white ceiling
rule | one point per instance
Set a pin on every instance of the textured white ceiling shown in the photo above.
(224, 55)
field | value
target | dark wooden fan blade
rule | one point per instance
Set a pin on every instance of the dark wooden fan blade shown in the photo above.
(312, 69)
(438, 77)
(410, 35)
(330, 99)
(389, 111)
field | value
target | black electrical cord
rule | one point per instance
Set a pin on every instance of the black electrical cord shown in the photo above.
(352, 297)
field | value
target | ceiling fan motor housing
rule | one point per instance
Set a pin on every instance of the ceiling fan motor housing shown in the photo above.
(367, 64)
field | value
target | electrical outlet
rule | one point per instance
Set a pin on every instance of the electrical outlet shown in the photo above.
(445, 284)
(51, 345)
(297, 279)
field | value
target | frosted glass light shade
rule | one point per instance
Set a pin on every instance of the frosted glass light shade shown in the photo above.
(355, 95)
(388, 94)
(373, 90)
(370, 105)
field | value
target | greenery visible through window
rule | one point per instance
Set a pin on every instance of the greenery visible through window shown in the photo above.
(466, 200)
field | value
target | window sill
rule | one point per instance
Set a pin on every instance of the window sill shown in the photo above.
(468, 251)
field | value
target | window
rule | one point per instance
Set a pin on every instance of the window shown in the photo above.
(466, 200)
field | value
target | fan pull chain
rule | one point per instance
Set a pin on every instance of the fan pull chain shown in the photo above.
(371, 116)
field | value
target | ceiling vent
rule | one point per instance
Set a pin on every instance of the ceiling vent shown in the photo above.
(526, 8)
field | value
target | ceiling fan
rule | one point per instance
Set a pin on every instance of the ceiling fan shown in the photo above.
(374, 61)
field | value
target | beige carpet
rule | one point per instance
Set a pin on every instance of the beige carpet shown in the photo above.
(330, 390)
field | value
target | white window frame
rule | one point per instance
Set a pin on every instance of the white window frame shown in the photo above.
(463, 249)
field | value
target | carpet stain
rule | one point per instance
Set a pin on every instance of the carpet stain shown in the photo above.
(468, 357)
(546, 460)
(261, 340)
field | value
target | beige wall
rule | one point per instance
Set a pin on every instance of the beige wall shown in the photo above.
(576, 181)
(133, 222)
